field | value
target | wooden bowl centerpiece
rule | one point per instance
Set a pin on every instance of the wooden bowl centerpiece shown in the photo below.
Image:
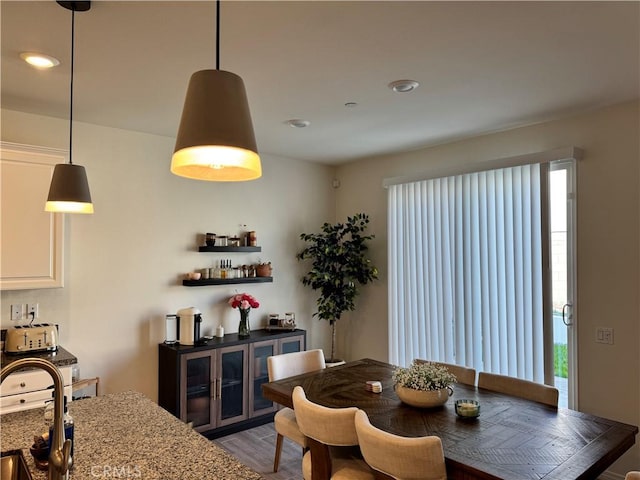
(424, 385)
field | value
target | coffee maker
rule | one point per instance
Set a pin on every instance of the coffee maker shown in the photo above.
(189, 320)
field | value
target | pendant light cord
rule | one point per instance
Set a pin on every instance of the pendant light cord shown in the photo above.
(73, 23)
(217, 34)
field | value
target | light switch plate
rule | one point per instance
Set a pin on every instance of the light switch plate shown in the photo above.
(17, 312)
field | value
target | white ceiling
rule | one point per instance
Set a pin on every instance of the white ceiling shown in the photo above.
(482, 66)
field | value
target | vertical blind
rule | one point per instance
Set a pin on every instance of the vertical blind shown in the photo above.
(465, 271)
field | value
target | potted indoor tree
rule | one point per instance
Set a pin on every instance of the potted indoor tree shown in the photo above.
(339, 266)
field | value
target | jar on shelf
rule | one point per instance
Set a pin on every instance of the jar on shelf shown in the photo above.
(222, 240)
(264, 269)
(234, 241)
(253, 238)
(210, 239)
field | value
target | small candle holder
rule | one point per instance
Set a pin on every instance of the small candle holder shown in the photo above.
(467, 408)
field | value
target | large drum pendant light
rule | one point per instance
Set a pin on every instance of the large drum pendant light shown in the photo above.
(215, 139)
(69, 190)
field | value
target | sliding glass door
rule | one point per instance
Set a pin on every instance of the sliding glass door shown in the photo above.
(482, 272)
(562, 251)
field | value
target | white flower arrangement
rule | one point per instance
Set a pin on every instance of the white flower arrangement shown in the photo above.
(424, 376)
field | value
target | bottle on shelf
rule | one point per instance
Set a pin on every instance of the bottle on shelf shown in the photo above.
(230, 270)
(216, 270)
(223, 269)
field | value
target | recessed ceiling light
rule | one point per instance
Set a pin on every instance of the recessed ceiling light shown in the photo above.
(39, 60)
(403, 86)
(298, 123)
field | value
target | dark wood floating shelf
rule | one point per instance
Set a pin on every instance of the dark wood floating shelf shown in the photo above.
(225, 281)
(229, 249)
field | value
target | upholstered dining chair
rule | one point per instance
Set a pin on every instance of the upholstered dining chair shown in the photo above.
(538, 392)
(400, 458)
(632, 476)
(289, 365)
(330, 432)
(463, 374)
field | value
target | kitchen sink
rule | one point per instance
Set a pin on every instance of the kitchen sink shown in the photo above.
(14, 466)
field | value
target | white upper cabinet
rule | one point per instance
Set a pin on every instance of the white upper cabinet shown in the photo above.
(32, 239)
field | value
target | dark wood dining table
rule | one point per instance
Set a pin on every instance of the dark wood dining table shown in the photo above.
(513, 438)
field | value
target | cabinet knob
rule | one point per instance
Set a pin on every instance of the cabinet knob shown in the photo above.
(22, 400)
(22, 384)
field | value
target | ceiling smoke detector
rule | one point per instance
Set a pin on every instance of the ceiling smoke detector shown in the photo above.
(403, 86)
(298, 123)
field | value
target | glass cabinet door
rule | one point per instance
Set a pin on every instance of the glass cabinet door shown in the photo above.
(259, 375)
(232, 372)
(198, 388)
(292, 344)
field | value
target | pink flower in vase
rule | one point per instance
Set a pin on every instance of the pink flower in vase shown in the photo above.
(243, 301)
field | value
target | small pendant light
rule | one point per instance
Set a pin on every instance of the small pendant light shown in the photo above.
(69, 190)
(215, 139)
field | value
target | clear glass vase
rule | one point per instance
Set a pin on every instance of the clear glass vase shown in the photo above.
(244, 329)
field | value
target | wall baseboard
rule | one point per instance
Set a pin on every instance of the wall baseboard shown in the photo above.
(609, 475)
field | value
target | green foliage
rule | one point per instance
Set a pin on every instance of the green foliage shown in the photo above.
(560, 363)
(339, 264)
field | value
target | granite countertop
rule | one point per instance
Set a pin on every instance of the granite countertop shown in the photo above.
(128, 434)
(60, 358)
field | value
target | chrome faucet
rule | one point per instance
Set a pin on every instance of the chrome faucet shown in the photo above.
(60, 454)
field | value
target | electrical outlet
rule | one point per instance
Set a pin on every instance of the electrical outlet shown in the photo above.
(17, 312)
(604, 335)
(32, 311)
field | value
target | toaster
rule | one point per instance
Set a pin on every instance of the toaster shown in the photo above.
(38, 337)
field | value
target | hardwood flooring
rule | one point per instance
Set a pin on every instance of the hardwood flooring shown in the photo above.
(256, 447)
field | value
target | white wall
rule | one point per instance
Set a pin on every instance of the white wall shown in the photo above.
(608, 240)
(123, 264)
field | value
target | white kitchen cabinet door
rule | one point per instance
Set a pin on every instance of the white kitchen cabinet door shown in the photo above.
(32, 239)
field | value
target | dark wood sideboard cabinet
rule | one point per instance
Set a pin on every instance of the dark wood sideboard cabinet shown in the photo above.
(217, 387)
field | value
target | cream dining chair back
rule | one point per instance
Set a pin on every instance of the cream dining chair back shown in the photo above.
(295, 363)
(463, 374)
(329, 427)
(538, 392)
(632, 476)
(289, 365)
(400, 458)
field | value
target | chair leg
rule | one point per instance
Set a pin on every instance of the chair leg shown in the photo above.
(276, 460)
